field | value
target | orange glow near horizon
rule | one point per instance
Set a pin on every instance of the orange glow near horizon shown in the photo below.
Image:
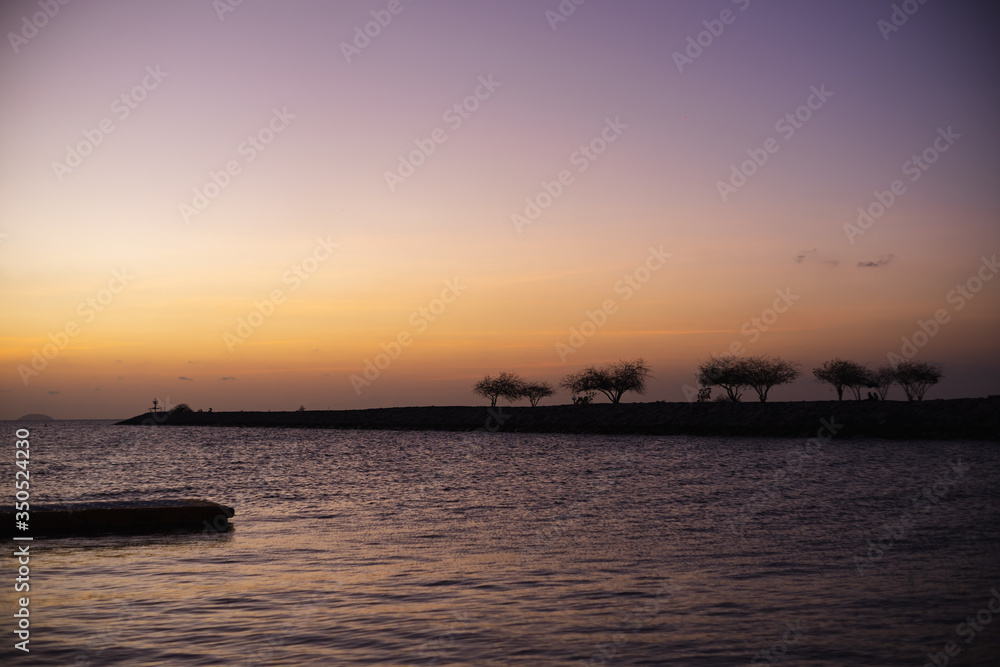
(305, 264)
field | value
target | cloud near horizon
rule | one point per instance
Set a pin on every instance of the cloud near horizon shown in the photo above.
(802, 255)
(881, 261)
(814, 254)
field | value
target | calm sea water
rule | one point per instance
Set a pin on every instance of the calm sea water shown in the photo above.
(430, 548)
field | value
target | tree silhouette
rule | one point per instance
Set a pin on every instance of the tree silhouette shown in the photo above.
(612, 380)
(727, 372)
(841, 373)
(762, 373)
(507, 385)
(916, 377)
(881, 379)
(536, 391)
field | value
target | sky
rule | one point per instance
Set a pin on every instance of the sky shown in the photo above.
(262, 205)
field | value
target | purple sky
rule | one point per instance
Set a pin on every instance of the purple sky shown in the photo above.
(314, 141)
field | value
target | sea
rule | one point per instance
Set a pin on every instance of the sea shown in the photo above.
(369, 547)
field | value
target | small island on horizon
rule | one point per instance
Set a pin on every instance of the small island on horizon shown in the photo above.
(35, 417)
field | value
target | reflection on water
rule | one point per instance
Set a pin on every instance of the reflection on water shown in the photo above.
(425, 548)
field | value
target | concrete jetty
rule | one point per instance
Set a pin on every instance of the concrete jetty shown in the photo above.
(941, 419)
(118, 517)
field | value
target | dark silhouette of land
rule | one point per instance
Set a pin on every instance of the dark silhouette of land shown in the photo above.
(952, 419)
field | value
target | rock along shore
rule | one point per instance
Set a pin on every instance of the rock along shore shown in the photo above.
(951, 419)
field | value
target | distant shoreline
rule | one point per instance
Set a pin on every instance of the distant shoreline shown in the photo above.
(951, 419)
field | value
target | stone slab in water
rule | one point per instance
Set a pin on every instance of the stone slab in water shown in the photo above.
(119, 517)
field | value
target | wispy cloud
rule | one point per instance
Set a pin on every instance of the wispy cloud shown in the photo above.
(53, 392)
(228, 377)
(815, 255)
(186, 379)
(881, 261)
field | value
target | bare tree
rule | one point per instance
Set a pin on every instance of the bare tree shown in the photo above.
(612, 379)
(844, 374)
(536, 391)
(916, 377)
(506, 385)
(762, 373)
(882, 378)
(727, 372)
